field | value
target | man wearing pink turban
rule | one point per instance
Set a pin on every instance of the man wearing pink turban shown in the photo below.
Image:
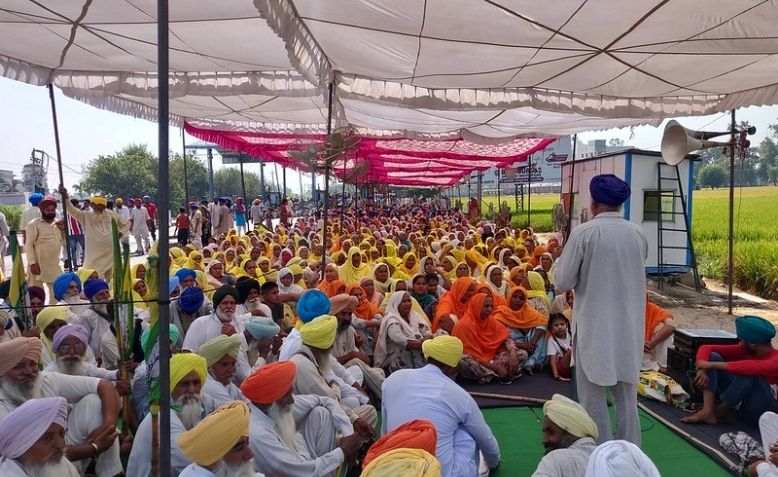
(91, 432)
(32, 440)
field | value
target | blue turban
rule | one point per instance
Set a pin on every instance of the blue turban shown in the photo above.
(184, 273)
(93, 286)
(609, 190)
(172, 284)
(311, 304)
(62, 282)
(35, 198)
(191, 300)
(754, 329)
(262, 328)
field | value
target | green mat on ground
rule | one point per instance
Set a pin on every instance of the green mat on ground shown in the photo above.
(518, 429)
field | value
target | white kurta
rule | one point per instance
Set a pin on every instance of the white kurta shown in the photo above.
(43, 242)
(210, 326)
(426, 393)
(568, 462)
(139, 462)
(221, 394)
(604, 262)
(11, 468)
(320, 421)
(97, 233)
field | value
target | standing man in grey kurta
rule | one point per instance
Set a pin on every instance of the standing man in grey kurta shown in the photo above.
(604, 262)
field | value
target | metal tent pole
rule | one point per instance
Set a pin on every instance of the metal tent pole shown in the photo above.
(210, 175)
(731, 238)
(61, 176)
(571, 198)
(529, 191)
(283, 174)
(164, 243)
(186, 176)
(242, 181)
(330, 94)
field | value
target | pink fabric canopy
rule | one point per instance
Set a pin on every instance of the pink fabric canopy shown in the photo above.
(402, 162)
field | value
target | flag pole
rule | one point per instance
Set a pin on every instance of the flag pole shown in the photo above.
(61, 176)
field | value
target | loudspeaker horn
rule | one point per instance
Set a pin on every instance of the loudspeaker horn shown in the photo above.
(677, 142)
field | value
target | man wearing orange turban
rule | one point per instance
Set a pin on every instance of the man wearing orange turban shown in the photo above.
(415, 434)
(296, 435)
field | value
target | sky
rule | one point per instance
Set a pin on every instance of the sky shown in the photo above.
(87, 132)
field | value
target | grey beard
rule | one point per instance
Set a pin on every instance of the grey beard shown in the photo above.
(324, 359)
(19, 393)
(71, 367)
(283, 421)
(191, 411)
(100, 308)
(72, 299)
(245, 469)
(225, 317)
(61, 468)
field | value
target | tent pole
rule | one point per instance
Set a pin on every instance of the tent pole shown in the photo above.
(71, 266)
(731, 238)
(262, 178)
(163, 122)
(242, 181)
(570, 198)
(529, 191)
(283, 173)
(210, 174)
(186, 177)
(499, 192)
(330, 93)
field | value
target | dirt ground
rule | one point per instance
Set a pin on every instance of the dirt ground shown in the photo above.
(708, 309)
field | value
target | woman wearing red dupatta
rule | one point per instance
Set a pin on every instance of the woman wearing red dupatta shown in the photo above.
(489, 351)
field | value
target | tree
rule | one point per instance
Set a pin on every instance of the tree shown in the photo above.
(226, 182)
(773, 175)
(768, 158)
(712, 176)
(133, 171)
(128, 173)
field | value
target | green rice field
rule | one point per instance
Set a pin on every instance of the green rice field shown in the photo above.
(756, 232)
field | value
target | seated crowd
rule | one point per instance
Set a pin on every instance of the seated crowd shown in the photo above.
(289, 364)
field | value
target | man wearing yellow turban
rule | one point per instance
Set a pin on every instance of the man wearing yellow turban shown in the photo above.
(315, 362)
(295, 435)
(431, 393)
(188, 373)
(96, 223)
(568, 437)
(221, 353)
(405, 463)
(219, 444)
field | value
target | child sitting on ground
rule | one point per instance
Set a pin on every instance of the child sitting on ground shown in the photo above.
(559, 346)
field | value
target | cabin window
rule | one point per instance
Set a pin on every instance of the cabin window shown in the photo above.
(651, 206)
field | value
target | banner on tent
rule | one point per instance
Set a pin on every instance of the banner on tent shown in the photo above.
(546, 165)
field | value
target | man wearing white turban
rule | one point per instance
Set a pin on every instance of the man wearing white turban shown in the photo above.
(568, 438)
(620, 458)
(32, 440)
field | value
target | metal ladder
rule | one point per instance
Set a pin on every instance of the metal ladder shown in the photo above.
(673, 175)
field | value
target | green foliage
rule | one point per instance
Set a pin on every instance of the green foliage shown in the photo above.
(133, 172)
(13, 215)
(756, 237)
(226, 182)
(712, 175)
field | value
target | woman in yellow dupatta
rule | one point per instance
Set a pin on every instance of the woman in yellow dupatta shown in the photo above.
(537, 295)
(355, 269)
(178, 257)
(382, 278)
(195, 260)
(264, 272)
(408, 268)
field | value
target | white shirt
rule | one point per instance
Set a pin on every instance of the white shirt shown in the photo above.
(194, 470)
(273, 457)
(604, 262)
(139, 217)
(292, 344)
(553, 349)
(221, 394)
(88, 369)
(123, 212)
(72, 388)
(568, 462)
(426, 393)
(210, 326)
(139, 462)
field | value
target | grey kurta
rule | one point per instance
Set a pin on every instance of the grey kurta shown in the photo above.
(604, 262)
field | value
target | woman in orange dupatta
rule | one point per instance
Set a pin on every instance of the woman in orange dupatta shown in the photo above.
(453, 304)
(366, 318)
(527, 326)
(331, 285)
(489, 353)
(658, 336)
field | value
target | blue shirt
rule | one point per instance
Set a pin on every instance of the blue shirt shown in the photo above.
(426, 393)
